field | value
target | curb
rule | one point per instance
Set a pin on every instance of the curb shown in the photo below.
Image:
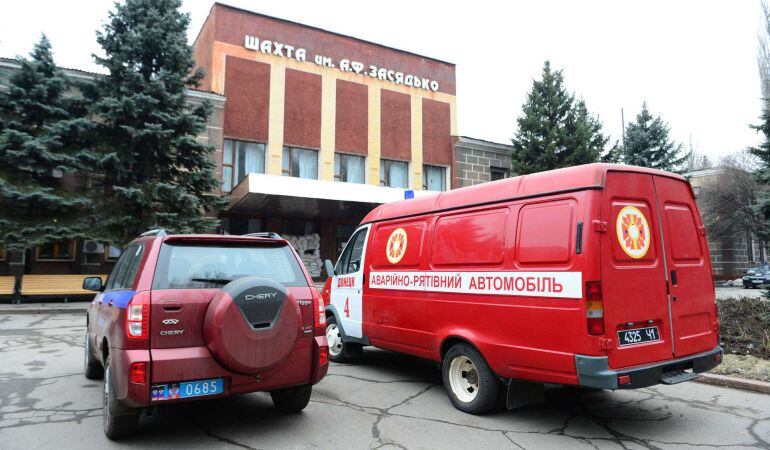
(733, 382)
(22, 309)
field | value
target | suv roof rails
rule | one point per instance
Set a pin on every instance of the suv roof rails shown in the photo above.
(156, 232)
(265, 234)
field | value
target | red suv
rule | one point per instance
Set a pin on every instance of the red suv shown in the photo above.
(184, 317)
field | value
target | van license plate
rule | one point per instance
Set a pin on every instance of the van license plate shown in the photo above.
(187, 389)
(638, 336)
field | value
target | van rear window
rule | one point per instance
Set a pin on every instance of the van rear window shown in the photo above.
(186, 266)
(685, 241)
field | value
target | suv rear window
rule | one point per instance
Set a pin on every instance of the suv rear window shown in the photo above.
(180, 265)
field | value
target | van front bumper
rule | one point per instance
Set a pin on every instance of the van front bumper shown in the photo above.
(594, 371)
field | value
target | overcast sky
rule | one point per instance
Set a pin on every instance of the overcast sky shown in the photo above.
(693, 61)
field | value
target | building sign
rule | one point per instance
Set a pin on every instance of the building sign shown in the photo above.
(269, 47)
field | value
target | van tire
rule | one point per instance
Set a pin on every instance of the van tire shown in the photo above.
(115, 426)
(474, 391)
(339, 350)
(93, 369)
(291, 400)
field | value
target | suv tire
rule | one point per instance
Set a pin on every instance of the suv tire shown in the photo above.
(293, 399)
(115, 427)
(93, 368)
(339, 351)
(470, 384)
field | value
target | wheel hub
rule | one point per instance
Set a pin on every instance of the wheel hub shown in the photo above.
(463, 379)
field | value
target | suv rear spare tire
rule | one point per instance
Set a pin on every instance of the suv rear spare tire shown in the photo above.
(252, 325)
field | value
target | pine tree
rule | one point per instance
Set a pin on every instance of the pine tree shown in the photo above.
(554, 129)
(155, 172)
(647, 144)
(43, 135)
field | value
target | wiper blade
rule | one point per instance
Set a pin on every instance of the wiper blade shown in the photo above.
(211, 280)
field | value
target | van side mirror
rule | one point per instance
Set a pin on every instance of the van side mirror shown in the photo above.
(93, 284)
(329, 267)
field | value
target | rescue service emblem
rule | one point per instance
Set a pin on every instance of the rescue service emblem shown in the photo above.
(633, 232)
(396, 246)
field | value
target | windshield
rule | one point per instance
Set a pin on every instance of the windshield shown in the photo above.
(184, 266)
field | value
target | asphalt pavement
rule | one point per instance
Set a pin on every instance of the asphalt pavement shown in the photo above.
(384, 400)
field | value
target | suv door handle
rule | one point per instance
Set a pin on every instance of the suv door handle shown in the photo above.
(171, 305)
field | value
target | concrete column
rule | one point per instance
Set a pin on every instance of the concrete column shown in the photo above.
(275, 125)
(374, 135)
(328, 125)
(416, 166)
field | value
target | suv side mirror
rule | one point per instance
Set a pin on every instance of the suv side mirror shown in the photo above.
(329, 267)
(93, 284)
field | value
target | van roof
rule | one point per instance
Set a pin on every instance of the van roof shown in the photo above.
(588, 176)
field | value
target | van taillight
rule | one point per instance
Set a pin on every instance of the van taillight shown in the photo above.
(594, 308)
(319, 318)
(138, 316)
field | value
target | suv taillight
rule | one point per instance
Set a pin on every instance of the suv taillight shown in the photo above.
(319, 317)
(138, 317)
(594, 308)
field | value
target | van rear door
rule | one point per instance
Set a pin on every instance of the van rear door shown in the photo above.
(689, 268)
(633, 272)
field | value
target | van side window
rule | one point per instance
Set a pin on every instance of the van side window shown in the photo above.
(350, 261)
(545, 232)
(477, 238)
(680, 221)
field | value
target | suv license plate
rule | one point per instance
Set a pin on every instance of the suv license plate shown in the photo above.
(187, 389)
(638, 336)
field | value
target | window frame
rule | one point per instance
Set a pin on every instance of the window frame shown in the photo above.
(500, 170)
(384, 178)
(289, 172)
(107, 257)
(233, 152)
(338, 156)
(72, 249)
(445, 172)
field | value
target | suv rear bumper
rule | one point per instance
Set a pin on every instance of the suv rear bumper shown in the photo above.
(594, 371)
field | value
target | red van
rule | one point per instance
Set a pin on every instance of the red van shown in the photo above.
(596, 276)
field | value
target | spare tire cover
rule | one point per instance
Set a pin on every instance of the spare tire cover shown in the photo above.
(252, 324)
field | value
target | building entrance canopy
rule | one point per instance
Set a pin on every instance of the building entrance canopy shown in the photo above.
(311, 199)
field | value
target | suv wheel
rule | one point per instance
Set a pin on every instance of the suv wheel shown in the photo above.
(469, 382)
(92, 367)
(293, 399)
(115, 427)
(340, 351)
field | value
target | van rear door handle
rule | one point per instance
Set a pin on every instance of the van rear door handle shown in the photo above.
(673, 278)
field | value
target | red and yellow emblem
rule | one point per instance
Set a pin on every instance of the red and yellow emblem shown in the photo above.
(633, 232)
(396, 246)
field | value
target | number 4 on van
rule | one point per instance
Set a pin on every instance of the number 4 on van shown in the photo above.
(504, 285)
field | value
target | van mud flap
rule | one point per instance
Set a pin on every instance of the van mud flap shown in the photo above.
(677, 376)
(523, 393)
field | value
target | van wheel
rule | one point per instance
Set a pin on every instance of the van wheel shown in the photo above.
(339, 351)
(469, 382)
(92, 367)
(115, 427)
(293, 399)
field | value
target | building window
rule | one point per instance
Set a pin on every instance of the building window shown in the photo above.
(240, 158)
(348, 168)
(433, 178)
(112, 252)
(300, 163)
(394, 173)
(56, 251)
(496, 173)
(2, 254)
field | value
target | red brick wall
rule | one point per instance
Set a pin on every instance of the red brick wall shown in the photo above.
(352, 116)
(395, 125)
(436, 133)
(247, 88)
(202, 49)
(302, 109)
